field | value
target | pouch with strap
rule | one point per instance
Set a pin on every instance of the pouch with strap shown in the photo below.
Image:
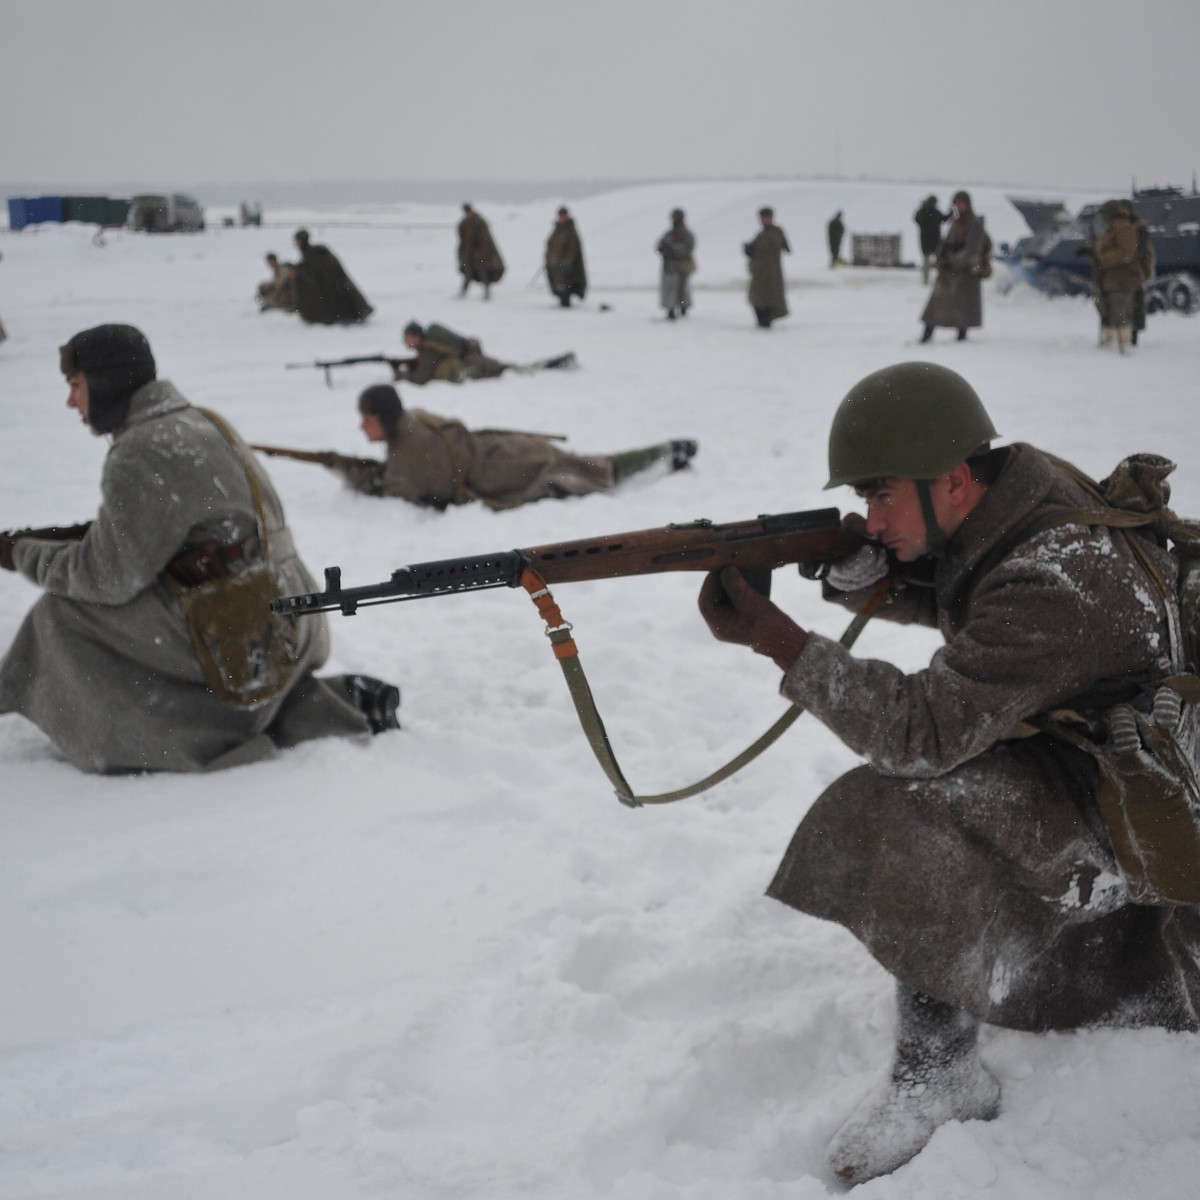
(1148, 793)
(247, 654)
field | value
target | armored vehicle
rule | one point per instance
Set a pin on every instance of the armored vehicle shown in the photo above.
(1054, 257)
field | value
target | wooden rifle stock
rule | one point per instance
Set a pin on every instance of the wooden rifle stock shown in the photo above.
(757, 545)
(52, 533)
(326, 458)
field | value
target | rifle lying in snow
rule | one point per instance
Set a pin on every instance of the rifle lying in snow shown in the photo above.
(326, 458)
(398, 365)
(756, 547)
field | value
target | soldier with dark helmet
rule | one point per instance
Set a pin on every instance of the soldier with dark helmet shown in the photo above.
(153, 647)
(968, 853)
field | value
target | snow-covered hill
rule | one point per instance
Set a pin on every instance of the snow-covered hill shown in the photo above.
(448, 963)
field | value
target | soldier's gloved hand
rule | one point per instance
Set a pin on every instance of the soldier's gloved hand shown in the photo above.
(867, 565)
(6, 552)
(735, 612)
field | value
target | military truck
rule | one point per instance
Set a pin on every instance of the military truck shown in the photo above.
(1053, 258)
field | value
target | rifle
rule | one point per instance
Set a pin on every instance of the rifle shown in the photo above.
(51, 533)
(398, 365)
(326, 458)
(757, 546)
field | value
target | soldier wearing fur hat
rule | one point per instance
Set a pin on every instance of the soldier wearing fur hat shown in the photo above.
(152, 647)
(972, 852)
(677, 248)
(956, 301)
(1116, 274)
(436, 461)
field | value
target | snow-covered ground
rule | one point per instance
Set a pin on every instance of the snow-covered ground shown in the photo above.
(447, 963)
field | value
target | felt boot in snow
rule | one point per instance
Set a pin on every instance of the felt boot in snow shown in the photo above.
(936, 1077)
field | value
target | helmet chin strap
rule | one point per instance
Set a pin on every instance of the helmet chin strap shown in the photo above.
(935, 539)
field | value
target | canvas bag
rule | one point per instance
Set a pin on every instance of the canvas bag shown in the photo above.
(247, 654)
(1148, 792)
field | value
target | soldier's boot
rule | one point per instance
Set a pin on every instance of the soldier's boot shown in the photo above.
(1124, 339)
(1107, 333)
(927, 334)
(560, 362)
(375, 699)
(466, 283)
(676, 454)
(487, 291)
(936, 1077)
(670, 314)
(962, 335)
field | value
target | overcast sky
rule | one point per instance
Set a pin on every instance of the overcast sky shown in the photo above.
(1070, 93)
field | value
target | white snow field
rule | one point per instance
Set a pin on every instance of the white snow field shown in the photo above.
(446, 963)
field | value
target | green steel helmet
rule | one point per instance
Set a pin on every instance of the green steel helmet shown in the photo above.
(914, 420)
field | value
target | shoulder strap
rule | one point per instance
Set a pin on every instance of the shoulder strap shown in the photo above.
(256, 492)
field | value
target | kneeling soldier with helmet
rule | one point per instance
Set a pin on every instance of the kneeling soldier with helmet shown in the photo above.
(969, 853)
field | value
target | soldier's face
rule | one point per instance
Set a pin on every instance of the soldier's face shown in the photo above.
(77, 396)
(373, 428)
(894, 516)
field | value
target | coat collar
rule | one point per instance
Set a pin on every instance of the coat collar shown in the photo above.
(151, 400)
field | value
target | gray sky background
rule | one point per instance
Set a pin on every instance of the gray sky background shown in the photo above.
(1066, 93)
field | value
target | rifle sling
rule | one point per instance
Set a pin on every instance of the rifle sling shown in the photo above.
(567, 653)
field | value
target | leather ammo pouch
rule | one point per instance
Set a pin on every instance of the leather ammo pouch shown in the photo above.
(1147, 791)
(246, 653)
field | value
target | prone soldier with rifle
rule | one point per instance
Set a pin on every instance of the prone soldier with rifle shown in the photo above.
(1020, 844)
(436, 461)
(442, 354)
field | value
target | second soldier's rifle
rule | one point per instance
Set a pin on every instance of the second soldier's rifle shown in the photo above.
(398, 365)
(325, 458)
(756, 546)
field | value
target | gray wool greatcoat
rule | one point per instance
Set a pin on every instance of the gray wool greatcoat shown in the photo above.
(764, 253)
(103, 663)
(437, 461)
(976, 868)
(956, 301)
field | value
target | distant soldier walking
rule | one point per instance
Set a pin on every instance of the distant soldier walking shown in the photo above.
(835, 231)
(676, 247)
(765, 260)
(565, 270)
(479, 260)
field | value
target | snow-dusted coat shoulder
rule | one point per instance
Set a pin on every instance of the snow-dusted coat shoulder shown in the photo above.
(103, 663)
(975, 867)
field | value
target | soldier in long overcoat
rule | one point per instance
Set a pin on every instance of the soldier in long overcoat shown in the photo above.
(968, 853)
(764, 253)
(104, 663)
(929, 219)
(325, 294)
(677, 248)
(565, 269)
(1116, 274)
(956, 301)
(436, 461)
(479, 260)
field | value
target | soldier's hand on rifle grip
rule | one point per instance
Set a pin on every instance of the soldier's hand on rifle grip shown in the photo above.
(735, 612)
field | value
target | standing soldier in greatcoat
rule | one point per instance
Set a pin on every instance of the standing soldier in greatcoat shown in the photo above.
(677, 248)
(565, 270)
(479, 260)
(956, 301)
(764, 253)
